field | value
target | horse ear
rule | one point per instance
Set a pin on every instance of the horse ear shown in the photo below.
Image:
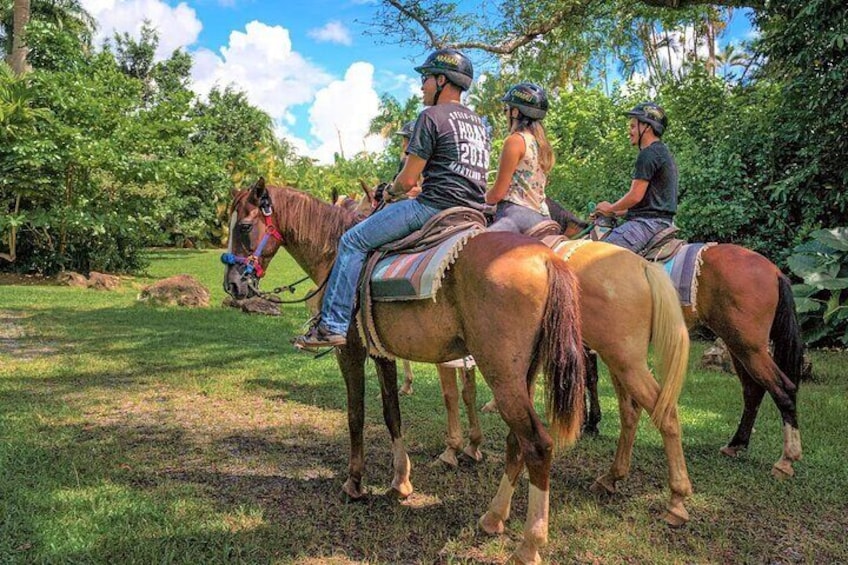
(258, 189)
(369, 192)
(334, 196)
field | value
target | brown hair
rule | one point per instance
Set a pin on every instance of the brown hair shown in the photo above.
(537, 130)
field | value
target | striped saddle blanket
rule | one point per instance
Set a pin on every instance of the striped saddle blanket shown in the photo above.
(417, 275)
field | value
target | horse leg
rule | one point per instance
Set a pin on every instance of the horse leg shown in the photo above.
(593, 407)
(469, 397)
(760, 366)
(628, 411)
(351, 360)
(634, 392)
(406, 389)
(527, 443)
(450, 396)
(387, 374)
(752, 394)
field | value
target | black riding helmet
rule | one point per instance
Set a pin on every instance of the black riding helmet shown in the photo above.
(651, 114)
(406, 129)
(529, 98)
(456, 67)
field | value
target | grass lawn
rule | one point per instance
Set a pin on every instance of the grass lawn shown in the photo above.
(137, 434)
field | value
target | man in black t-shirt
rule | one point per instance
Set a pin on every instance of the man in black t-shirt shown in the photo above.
(651, 203)
(449, 148)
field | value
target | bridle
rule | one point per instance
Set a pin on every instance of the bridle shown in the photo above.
(253, 270)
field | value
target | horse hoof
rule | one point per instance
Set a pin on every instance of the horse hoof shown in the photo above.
(472, 453)
(603, 487)
(491, 523)
(782, 470)
(353, 490)
(402, 491)
(731, 451)
(448, 457)
(526, 557)
(676, 518)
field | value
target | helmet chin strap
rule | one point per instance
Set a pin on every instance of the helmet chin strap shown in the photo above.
(641, 133)
(439, 88)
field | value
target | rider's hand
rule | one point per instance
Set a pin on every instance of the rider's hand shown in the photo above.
(603, 209)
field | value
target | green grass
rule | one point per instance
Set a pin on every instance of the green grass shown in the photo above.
(134, 434)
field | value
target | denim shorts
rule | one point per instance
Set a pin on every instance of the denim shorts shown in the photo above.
(636, 233)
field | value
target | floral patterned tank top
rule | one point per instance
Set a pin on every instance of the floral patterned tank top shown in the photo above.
(527, 187)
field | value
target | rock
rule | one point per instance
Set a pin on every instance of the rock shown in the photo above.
(255, 305)
(179, 290)
(70, 278)
(102, 281)
(717, 358)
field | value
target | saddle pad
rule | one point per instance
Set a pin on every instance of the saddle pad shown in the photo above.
(415, 276)
(683, 269)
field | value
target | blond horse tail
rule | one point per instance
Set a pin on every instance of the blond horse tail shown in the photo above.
(670, 339)
(560, 350)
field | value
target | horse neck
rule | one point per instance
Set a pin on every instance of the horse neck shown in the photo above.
(311, 229)
(570, 224)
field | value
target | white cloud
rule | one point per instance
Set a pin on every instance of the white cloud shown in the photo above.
(261, 62)
(177, 26)
(342, 112)
(333, 32)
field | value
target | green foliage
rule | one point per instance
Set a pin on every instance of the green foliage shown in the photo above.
(822, 299)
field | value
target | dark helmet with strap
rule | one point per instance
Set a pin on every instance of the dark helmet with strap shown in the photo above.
(456, 67)
(529, 98)
(406, 129)
(651, 114)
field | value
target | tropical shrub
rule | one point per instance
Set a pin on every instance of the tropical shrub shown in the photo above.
(822, 299)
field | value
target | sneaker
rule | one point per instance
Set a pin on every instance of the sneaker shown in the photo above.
(319, 336)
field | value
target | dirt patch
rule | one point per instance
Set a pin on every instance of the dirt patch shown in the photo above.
(26, 280)
(15, 341)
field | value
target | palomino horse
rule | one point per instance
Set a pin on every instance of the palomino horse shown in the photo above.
(507, 300)
(744, 299)
(622, 314)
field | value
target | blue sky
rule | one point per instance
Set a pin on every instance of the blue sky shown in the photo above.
(308, 63)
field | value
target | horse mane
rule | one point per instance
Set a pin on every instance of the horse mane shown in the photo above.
(562, 216)
(318, 224)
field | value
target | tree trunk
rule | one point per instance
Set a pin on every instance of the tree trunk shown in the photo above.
(18, 57)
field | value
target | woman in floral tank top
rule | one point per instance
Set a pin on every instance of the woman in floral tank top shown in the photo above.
(526, 160)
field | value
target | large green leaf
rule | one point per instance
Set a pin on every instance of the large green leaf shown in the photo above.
(804, 265)
(836, 238)
(807, 305)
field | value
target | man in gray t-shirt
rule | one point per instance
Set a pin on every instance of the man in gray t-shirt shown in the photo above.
(651, 203)
(450, 148)
(454, 144)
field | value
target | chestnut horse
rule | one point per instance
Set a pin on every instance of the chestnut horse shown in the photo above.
(507, 300)
(744, 299)
(449, 373)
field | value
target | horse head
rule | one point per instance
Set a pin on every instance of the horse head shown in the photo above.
(570, 223)
(253, 240)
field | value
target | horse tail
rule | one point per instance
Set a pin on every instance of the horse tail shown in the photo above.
(560, 351)
(670, 339)
(786, 334)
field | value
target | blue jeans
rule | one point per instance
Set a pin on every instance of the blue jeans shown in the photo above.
(636, 233)
(516, 218)
(389, 224)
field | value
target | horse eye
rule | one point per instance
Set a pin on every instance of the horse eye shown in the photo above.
(245, 228)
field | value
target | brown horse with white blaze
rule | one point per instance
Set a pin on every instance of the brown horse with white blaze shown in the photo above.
(507, 300)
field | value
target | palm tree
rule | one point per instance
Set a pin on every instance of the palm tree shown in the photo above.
(16, 45)
(67, 15)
